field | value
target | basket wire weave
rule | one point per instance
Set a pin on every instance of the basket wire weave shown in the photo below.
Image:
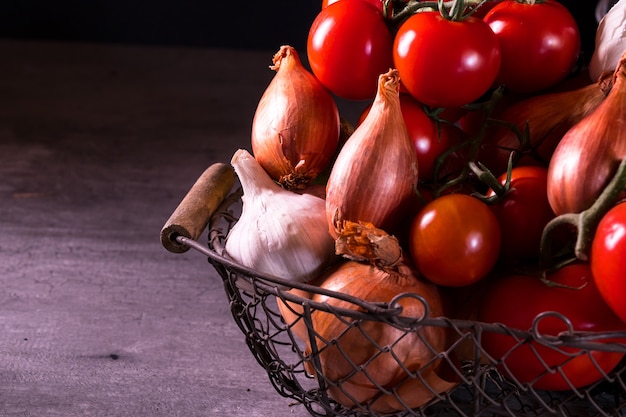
(482, 390)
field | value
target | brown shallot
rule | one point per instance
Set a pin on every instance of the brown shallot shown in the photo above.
(589, 154)
(359, 357)
(295, 129)
(534, 126)
(375, 173)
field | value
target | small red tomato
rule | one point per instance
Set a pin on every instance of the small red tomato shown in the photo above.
(523, 213)
(608, 259)
(455, 240)
(516, 301)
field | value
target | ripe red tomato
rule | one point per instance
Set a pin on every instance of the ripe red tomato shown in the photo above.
(523, 213)
(608, 259)
(348, 47)
(455, 240)
(540, 43)
(516, 300)
(445, 63)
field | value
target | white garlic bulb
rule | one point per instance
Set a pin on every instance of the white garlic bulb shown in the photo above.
(610, 41)
(279, 233)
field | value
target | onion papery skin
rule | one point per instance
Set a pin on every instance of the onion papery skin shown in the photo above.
(354, 364)
(375, 174)
(295, 129)
(588, 155)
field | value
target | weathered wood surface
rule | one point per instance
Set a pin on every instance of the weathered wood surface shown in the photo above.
(98, 144)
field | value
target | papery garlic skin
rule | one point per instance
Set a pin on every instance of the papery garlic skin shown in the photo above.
(279, 232)
(610, 41)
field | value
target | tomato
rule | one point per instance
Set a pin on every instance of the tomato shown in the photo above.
(540, 43)
(455, 240)
(516, 300)
(523, 213)
(430, 139)
(608, 259)
(348, 47)
(445, 63)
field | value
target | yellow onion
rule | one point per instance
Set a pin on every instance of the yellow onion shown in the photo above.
(544, 118)
(588, 155)
(359, 356)
(375, 174)
(295, 129)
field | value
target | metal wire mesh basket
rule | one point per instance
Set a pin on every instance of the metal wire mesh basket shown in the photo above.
(482, 386)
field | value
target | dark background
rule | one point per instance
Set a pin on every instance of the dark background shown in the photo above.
(201, 23)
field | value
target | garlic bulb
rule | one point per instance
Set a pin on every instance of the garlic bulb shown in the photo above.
(610, 41)
(279, 232)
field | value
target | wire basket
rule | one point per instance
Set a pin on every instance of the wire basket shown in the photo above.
(482, 386)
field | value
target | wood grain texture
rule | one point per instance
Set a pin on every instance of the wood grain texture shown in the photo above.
(98, 145)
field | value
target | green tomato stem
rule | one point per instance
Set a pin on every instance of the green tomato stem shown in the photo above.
(449, 9)
(587, 220)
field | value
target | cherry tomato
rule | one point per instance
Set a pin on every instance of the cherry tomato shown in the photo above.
(349, 46)
(455, 240)
(445, 63)
(523, 213)
(540, 43)
(608, 259)
(516, 300)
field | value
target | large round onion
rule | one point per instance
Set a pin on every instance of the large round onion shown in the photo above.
(358, 357)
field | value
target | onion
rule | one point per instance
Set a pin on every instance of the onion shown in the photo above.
(359, 356)
(295, 130)
(588, 155)
(545, 118)
(375, 174)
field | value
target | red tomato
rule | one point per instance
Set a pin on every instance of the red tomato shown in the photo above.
(540, 43)
(455, 240)
(608, 259)
(348, 47)
(523, 213)
(516, 300)
(445, 63)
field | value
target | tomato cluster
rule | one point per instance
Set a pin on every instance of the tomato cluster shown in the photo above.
(446, 58)
(474, 228)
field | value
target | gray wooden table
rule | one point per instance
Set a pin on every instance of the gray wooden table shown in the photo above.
(98, 144)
